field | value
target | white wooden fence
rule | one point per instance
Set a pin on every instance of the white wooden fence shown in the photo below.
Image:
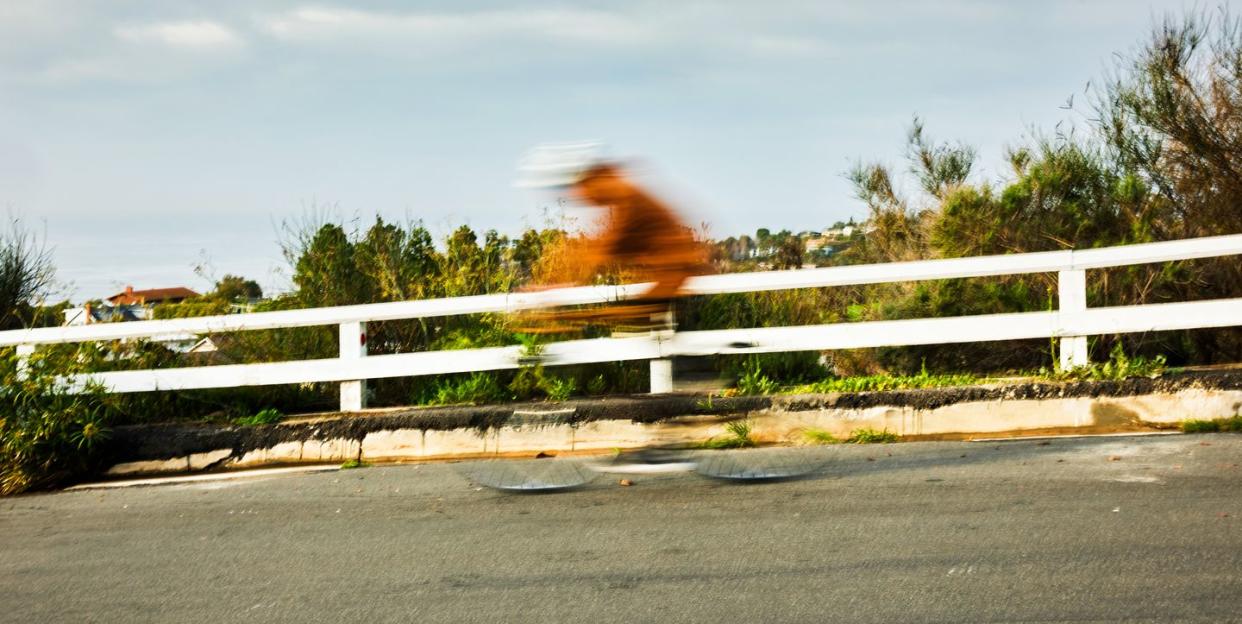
(1072, 323)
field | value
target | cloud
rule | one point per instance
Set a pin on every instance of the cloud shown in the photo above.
(311, 24)
(202, 34)
(790, 46)
(124, 52)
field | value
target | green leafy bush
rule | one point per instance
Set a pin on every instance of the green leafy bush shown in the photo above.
(597, 385)
(754, 380)
(262, 417)
(475, 388)
(559, 388)
(1119, 366)
(48, 435)
(790, 368)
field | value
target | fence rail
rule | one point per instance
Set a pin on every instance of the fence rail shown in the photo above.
(1072, 323)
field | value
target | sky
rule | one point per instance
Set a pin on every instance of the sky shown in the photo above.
(144, 139)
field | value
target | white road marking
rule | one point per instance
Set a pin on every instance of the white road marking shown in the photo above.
(1135, 479)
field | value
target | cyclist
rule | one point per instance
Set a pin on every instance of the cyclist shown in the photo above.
(641, 233)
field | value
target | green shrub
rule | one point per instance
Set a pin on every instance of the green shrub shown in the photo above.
(262, 417)
(1119, 366)
(754, 380)
(48, 435)
(475, 388)
(781, 368)
(559, 388)
(597, 385)
(527, 383)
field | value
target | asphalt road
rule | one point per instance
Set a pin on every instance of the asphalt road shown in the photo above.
(1104, 529)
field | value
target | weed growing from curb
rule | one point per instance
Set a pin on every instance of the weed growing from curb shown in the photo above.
(1233, 425)
(867, 435)
(819, 436)
(738, 436)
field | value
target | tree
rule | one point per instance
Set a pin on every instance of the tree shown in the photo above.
(496, 256)
(745, 247)
(1172, 114)
(526, 252)
(402, 264)
(422, 264)
(325, 272)
(939, 168)
(896, 233)
(26, 274)
(789, 253)
(763, 241)
(464, 266)
(1067, 195)
(237, 288)
(1172, 117)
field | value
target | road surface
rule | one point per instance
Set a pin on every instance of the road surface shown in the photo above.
(1102, 529)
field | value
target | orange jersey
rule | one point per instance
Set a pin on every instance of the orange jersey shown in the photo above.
(641, 234)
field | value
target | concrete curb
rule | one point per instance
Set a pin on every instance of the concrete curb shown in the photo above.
(626, 422)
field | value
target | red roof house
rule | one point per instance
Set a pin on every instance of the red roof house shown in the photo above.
(151, 296)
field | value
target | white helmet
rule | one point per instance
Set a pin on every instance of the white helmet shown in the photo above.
(557, 165)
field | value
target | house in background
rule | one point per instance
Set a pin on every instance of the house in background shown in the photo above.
(91, 314)
(127, 305)
(151, 296)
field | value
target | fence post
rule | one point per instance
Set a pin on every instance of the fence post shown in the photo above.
(1072, 297)
(661, 376)
(24, 351)
(661, 369)
(353, 336)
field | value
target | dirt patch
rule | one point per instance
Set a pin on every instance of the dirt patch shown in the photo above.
(1105, 414)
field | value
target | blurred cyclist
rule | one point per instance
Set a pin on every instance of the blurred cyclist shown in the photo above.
(641, 233)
